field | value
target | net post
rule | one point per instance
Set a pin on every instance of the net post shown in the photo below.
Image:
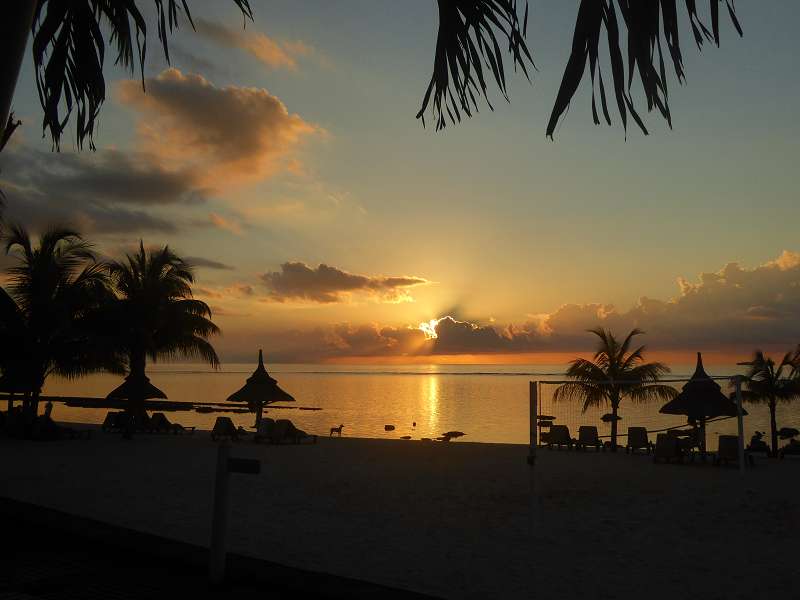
(534, 399)
(740, 422)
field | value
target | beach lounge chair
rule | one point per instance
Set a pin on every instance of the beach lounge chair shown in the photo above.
(587, 436)
(284, 431)
(160, 424)
(559, 437)
(264, 432)
(667, 449)
(728, 451)
(111, 422)
(224, 428)
(638, 440)
(688, 441)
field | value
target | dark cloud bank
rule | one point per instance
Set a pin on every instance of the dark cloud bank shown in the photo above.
(735, 309)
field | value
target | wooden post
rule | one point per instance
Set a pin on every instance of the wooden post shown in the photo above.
(740, 422)
(219, 523)
(534, 398)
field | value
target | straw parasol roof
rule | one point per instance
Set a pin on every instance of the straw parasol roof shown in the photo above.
(260, 388)
(701, 398)
(136, 386)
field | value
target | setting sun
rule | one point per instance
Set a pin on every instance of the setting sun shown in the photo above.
(429, 329)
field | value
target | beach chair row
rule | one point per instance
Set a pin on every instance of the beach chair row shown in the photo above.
(282, 431)
(675, 447)
(559, 437)
(158, 423)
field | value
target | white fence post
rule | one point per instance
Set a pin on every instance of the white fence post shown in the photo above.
(534, 399)
(219, 523)
(740, 422)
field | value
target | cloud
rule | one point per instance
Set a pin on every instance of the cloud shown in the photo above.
(227, 135)
(225, 224)
(37, 211)
(207, 263)
(735, 309)
(326, 284)
(272, 53)
(732, 307)
(108, 176)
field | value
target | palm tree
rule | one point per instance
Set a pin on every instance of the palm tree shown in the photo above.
(614, 373)
(54, 290)
(767, 382)
(155, 315)
(473, 41)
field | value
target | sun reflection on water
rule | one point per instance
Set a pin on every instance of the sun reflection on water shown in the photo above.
(433, 402)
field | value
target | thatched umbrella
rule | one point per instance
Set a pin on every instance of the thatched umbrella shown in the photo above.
(260, 390)
(137, 387)
(701, 399)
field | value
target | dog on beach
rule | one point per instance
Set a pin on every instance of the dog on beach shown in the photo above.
(337, 430)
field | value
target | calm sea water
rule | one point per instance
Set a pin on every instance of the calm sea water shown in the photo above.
(487, 402)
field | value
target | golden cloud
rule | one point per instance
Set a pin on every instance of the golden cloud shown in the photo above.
(225, 134)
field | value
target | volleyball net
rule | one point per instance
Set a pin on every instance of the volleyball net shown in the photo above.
(548, 409)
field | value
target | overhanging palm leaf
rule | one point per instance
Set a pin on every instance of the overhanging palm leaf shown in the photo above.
(649, 26)
(473, 39)
(69, 53)
(466, 44)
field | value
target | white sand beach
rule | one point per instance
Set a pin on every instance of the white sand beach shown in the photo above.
(459, 520)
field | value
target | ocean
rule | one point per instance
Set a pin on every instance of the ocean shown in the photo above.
(489, 403)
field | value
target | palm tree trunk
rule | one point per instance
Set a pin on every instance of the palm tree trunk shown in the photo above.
(15, 28)
(614, 408)
(259, 412)
(773, 426)
(136, 408)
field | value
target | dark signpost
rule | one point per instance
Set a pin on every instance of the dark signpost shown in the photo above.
(219, 525)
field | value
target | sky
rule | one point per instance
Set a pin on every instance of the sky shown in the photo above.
(326, 224)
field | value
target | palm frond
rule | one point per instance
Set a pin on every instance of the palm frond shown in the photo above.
(651, 393)
(647, 27)
(468, 53)
(69, 44)
(581, 391)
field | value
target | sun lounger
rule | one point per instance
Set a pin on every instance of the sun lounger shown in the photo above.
(638, 440)
(668, 448)
(111, 422)
(587, 436)
(160, 424)
(224, 428)
(728, 451)
(283, 431)
(264, 432)
(559, 437)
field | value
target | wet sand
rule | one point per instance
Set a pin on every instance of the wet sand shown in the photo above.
(455, 520)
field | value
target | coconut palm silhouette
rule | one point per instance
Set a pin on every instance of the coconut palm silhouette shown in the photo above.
(54, 292)
(154, 314)
(771, 383)
(616, 372)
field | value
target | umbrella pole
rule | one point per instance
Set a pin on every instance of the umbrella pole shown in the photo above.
(703, 437)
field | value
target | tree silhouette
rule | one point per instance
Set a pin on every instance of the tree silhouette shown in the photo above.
(54, 290)
(615, 373)
(770, 383)
(155, 315)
